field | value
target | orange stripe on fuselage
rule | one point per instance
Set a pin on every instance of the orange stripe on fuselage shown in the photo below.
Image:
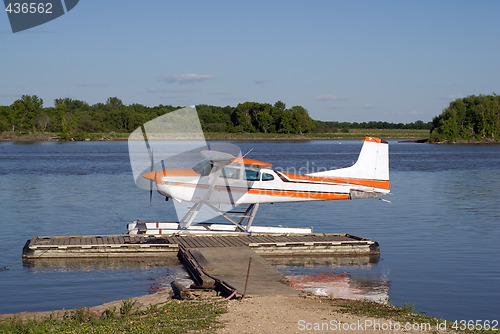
(361, 182)
(300, 194)
(270, 192)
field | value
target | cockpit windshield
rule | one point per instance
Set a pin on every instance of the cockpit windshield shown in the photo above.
(232, 171)
(203, 167)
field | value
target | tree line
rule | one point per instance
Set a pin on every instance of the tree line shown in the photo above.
(469, 118)
(77, 119)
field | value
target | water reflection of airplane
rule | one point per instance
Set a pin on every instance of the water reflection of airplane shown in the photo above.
(221, 178)
(342, 285)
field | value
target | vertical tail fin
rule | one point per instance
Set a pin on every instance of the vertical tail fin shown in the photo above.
(372, 163)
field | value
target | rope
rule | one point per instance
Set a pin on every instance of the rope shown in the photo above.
(5, 268)
(221, 300)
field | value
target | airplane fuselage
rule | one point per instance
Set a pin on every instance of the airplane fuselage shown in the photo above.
(266, 186)
(236, 181)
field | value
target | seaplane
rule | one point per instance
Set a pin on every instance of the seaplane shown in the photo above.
(222, 179)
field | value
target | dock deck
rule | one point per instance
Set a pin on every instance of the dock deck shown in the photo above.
(148, 245)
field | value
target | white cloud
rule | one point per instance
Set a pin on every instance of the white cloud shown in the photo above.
(262, 82)
(327, 97)
(186, 78)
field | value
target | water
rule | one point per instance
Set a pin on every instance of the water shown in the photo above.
(438, 237)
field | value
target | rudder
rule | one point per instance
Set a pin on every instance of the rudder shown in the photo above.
(372, 163)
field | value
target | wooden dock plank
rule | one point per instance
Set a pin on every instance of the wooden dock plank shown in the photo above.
(185, 242)
(217, 241)
(212, 242)
(202, 242)
(229, 242)
(238, 241)
(115, 241)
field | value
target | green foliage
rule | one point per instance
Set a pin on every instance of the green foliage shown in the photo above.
(469, 118)
(81, 314)
(110, 313)
(174, 317)
(24, 111)
(303, 123)
(345, 127)
(127, 306)
(77, 120)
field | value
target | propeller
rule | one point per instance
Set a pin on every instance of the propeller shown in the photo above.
(151, 181)
(151, 156)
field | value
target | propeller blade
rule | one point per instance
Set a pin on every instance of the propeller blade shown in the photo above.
(151, 155)
(150, 192)
(151, 180)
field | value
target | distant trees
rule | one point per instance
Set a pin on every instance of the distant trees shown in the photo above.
(70, 118)
(469, 118)
(25, 112)
(267, 118)
(332, 127)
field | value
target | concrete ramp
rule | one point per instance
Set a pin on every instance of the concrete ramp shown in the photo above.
(226, 268)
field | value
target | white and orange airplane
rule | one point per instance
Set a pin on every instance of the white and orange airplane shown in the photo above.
(221, 178)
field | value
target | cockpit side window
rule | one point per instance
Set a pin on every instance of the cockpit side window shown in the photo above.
(251, 175)
(203, 167)
(231, 173)
(267, 177)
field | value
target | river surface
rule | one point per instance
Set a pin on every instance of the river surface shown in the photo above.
(439, 236)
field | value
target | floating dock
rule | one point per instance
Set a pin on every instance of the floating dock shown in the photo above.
(124, 245)
(232, 264)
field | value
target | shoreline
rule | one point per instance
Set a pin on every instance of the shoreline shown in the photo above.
(405, 136)
(357, 134)
(412, 140)
(282, 314)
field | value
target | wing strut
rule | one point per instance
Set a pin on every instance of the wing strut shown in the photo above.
(248, 214)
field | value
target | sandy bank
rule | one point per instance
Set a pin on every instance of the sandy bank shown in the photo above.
(278, 314)
(309, 314)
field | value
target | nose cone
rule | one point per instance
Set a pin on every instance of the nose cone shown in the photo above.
(150, 176)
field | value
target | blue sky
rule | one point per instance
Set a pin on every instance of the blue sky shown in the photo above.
(396, 61)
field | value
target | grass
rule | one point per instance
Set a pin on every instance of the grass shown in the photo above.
(201, 316)
(405, 314)
(174, 317)
(352, 134)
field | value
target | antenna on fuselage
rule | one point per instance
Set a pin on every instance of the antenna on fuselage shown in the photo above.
(247, 152)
